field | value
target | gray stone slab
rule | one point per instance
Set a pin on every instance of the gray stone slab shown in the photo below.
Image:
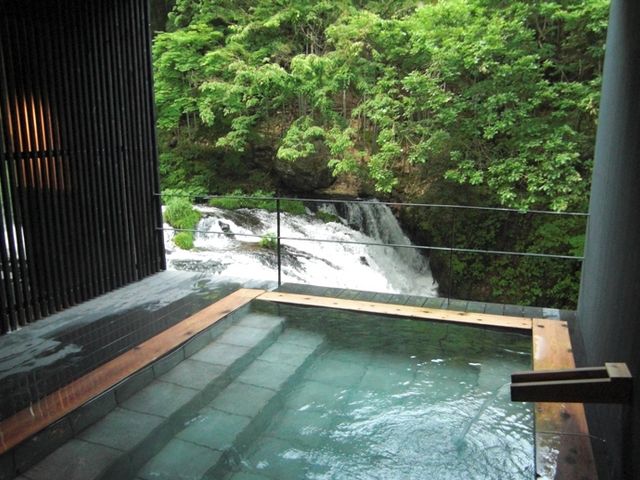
(167, 362)
(260, 320)
(534, 312)
(221, 353)
(248, 476)
(269, 459)
(244, 336)
(514, 310)
(197, 343)
(333, 372)
(551, 313)
(286, 353)
(133, 384)
(267, 374)
(122, 429)
(435, 302)
(311, 395)
(75, 460)
(476, 307)
(193, 374)
(364, 296)
(160, 398)
(310, 428)
(415, 301)
(7, 467)
(214, 429)
(40, 445)
(242, 399)
(180, 460)
(301, 338)
(92, 411)
(458, 305)
(494, 309)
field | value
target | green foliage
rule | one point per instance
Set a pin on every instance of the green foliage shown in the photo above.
(184, 240)
(504, 94)
(258, 199)
(327, 217)
(180, 214)
(269, 241)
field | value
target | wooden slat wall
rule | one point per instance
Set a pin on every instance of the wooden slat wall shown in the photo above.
(77, 145)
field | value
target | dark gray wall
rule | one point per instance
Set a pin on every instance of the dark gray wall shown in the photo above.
(609, 305)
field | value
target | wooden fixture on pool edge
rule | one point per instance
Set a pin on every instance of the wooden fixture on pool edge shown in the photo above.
(612, 383)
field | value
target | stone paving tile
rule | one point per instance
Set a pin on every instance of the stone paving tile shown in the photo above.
(197, 343)
(514, 310)
(310, 395)
(535, 312)
(193, 374)
(160, 398)
(180, 460)
(242, 399)
(458, 305)
(304, 427)
(133, 384)
(43, 443)
(476, 307)
(278, 459)
(248, 476)
(260, 320)
(167, 362)
(287, 353)
(435, 303)
(348, 355)
(301, 338)
(267, 374)
(214, 429)
(92, 411)
(75, 460)
(221, 353)
(122, 429)
(334, 372)
(7, 468)
(494, 309)
(390, 380)
(244, 336)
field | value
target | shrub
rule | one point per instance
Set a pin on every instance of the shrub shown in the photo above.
(327, 217)
(184, 240)
(181, 214)
(257, 200)
(269, 241)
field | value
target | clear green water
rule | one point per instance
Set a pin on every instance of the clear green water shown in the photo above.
(390, 398)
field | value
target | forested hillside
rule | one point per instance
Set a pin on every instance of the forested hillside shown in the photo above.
(481, 102)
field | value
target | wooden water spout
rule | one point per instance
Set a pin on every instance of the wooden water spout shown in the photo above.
(612, 383)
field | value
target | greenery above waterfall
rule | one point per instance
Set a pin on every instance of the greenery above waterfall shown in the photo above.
(483, 102)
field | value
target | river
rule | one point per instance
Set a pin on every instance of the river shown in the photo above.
(363, 267)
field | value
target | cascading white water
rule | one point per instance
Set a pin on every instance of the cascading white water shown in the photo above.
(364, 267)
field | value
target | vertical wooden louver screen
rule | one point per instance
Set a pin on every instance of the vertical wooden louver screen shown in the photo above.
(79, 168)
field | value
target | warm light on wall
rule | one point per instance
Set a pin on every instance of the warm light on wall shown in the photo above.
(34, 137)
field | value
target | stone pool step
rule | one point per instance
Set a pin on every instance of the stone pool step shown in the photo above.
(218, 434)
(148, 415)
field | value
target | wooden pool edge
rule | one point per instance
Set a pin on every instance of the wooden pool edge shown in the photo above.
(51, 408)
(562, 443)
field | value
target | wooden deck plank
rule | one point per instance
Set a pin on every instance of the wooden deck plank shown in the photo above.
(401, 310)
(29, 421)
(563, 445)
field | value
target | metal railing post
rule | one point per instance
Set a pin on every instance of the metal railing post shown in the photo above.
(451, 246)
(278, 241)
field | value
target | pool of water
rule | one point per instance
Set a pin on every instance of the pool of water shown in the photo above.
(367, 397)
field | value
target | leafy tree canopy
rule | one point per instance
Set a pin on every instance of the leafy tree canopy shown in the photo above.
(504, 93)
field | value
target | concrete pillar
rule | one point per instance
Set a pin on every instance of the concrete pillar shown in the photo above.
(608, 319)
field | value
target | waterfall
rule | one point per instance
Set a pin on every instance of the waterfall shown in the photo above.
(373, 268)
